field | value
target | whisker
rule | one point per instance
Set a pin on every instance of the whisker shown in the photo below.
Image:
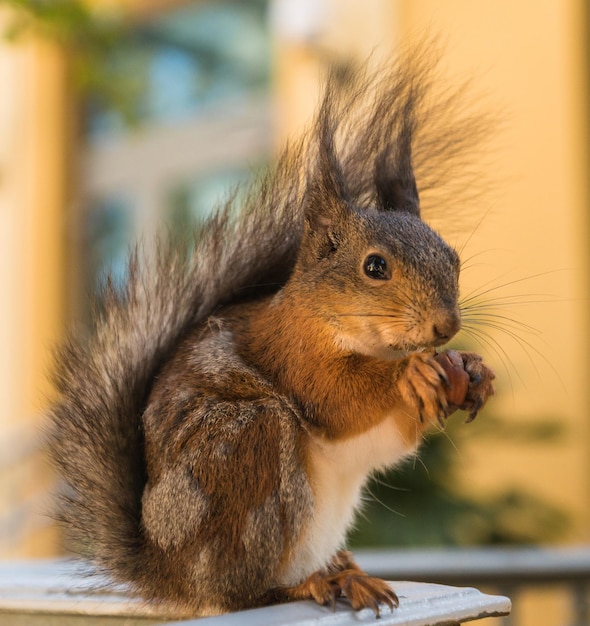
(524, 344)
(418, 458)
(464, 245)
(393, 316)
(480, 289)
(512, 299)
(377, 480)
(360, 510)
(480, 317)
(521, 342)
(494, 346)
(383, 504)
(464, 262)
(476, 294)
(453, 444)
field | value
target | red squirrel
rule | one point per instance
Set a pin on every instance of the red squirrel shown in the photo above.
(215, 431)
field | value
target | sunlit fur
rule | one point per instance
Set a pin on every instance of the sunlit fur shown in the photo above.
(194, 420)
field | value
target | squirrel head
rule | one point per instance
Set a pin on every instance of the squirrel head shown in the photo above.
(381, 278)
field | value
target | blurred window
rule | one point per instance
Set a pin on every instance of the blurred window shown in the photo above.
(195, 121)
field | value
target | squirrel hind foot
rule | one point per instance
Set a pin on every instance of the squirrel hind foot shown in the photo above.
(361, 590)
(364, 591)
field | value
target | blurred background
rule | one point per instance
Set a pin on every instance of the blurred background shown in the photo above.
(120, 118)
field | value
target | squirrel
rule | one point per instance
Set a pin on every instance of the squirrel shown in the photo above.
(214, 431)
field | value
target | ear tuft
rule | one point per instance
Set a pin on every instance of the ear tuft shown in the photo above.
(396, 193)
(326, 202)
(394, 179)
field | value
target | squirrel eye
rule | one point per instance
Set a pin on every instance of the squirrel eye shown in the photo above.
(375, 266)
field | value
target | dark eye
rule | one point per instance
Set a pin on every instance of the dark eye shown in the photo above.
(375, 266)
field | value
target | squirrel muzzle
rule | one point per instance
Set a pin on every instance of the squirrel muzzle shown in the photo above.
(446, 326)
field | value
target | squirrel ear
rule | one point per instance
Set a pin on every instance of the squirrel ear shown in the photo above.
(399, 195)
(396, 186)
(325, 212)
(394, 179)
(326, 204)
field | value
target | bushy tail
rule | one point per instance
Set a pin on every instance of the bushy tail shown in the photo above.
(371, 124)
(103, 377)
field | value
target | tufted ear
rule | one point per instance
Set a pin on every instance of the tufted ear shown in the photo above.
(394, 179)
(326, 201)
(326, 211)
(398, 194)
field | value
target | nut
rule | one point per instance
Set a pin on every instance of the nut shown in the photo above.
(452, 364)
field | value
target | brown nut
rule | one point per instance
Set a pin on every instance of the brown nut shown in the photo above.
(452, 363)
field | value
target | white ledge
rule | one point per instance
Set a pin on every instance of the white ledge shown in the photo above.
(63, 588)
(421, 604)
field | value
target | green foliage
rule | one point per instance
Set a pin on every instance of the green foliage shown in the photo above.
(418, 504)
(68, 21)
(94, 42)
(220, 48)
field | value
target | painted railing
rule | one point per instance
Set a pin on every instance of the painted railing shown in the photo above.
(509, 571)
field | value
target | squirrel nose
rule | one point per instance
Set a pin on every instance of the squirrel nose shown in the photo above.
(443, 330)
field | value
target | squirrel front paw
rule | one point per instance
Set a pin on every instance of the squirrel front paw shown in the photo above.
(470, 380)
(423, 386)
(480, 386)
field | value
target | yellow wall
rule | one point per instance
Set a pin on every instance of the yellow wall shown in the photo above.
(32, 194)
(527, 64)
(529, 57)
(529, 61)
(37, 126)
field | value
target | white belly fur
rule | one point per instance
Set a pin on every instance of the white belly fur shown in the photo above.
(338, 472)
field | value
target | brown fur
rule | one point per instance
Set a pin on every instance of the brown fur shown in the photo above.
(196, 422)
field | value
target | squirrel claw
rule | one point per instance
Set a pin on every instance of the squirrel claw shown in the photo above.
(423, 386)
(445, 380)
(474, 411)
(475, 379)
(317, 587)
(361, 590)
(481, 385)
